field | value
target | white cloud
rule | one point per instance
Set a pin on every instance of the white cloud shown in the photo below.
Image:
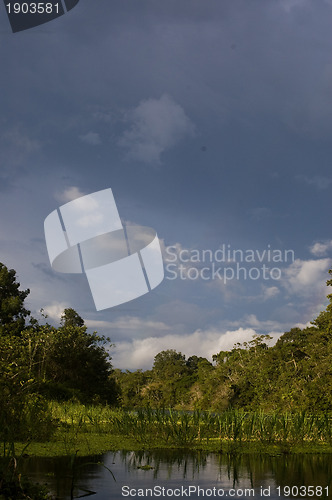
(171, 253)
(91, 138)
(320, 249)
(303, 325)
(156, 125)
(55, 310)
(140, 353)
(69, 194)
(306, 277)
(270, 292)
(251, 321)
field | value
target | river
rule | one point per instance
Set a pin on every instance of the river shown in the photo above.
(174, 473)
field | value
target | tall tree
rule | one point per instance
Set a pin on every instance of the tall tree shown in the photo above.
(324, 320)
(170, 378)
(71, 318)
(12, 310)
(79, 363)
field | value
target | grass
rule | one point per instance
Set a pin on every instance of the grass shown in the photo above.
(90, 430)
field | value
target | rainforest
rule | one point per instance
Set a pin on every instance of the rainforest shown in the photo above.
(60, 394)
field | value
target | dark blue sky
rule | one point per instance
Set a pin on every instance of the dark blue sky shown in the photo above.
(211, 121)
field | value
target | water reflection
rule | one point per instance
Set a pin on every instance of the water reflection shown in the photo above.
(172, 469)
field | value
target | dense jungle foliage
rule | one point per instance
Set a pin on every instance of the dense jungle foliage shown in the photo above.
(39, 363)
(295, 374)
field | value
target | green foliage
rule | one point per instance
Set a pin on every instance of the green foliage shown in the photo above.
(71, 318)
(79, 363)
(132, 387)
(12, 310)
(60, 362)
(40, 361)
(177, 428)
(68, 362)
(324, 321)
(23, 412)
(293, 375)
(171, 379)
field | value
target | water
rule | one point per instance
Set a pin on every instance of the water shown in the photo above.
(184, 475)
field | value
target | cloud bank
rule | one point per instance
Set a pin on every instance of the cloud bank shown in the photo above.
(140, 353)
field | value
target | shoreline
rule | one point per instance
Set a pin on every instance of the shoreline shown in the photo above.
(86, 444)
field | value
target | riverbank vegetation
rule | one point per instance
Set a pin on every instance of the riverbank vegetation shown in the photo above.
(92, 429)
(58, 386)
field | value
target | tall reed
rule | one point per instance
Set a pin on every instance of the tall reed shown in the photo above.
(183, 428)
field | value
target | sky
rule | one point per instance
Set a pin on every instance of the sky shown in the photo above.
(211, 122)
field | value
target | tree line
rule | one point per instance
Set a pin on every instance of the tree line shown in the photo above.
(39, 362)
(294, 374)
